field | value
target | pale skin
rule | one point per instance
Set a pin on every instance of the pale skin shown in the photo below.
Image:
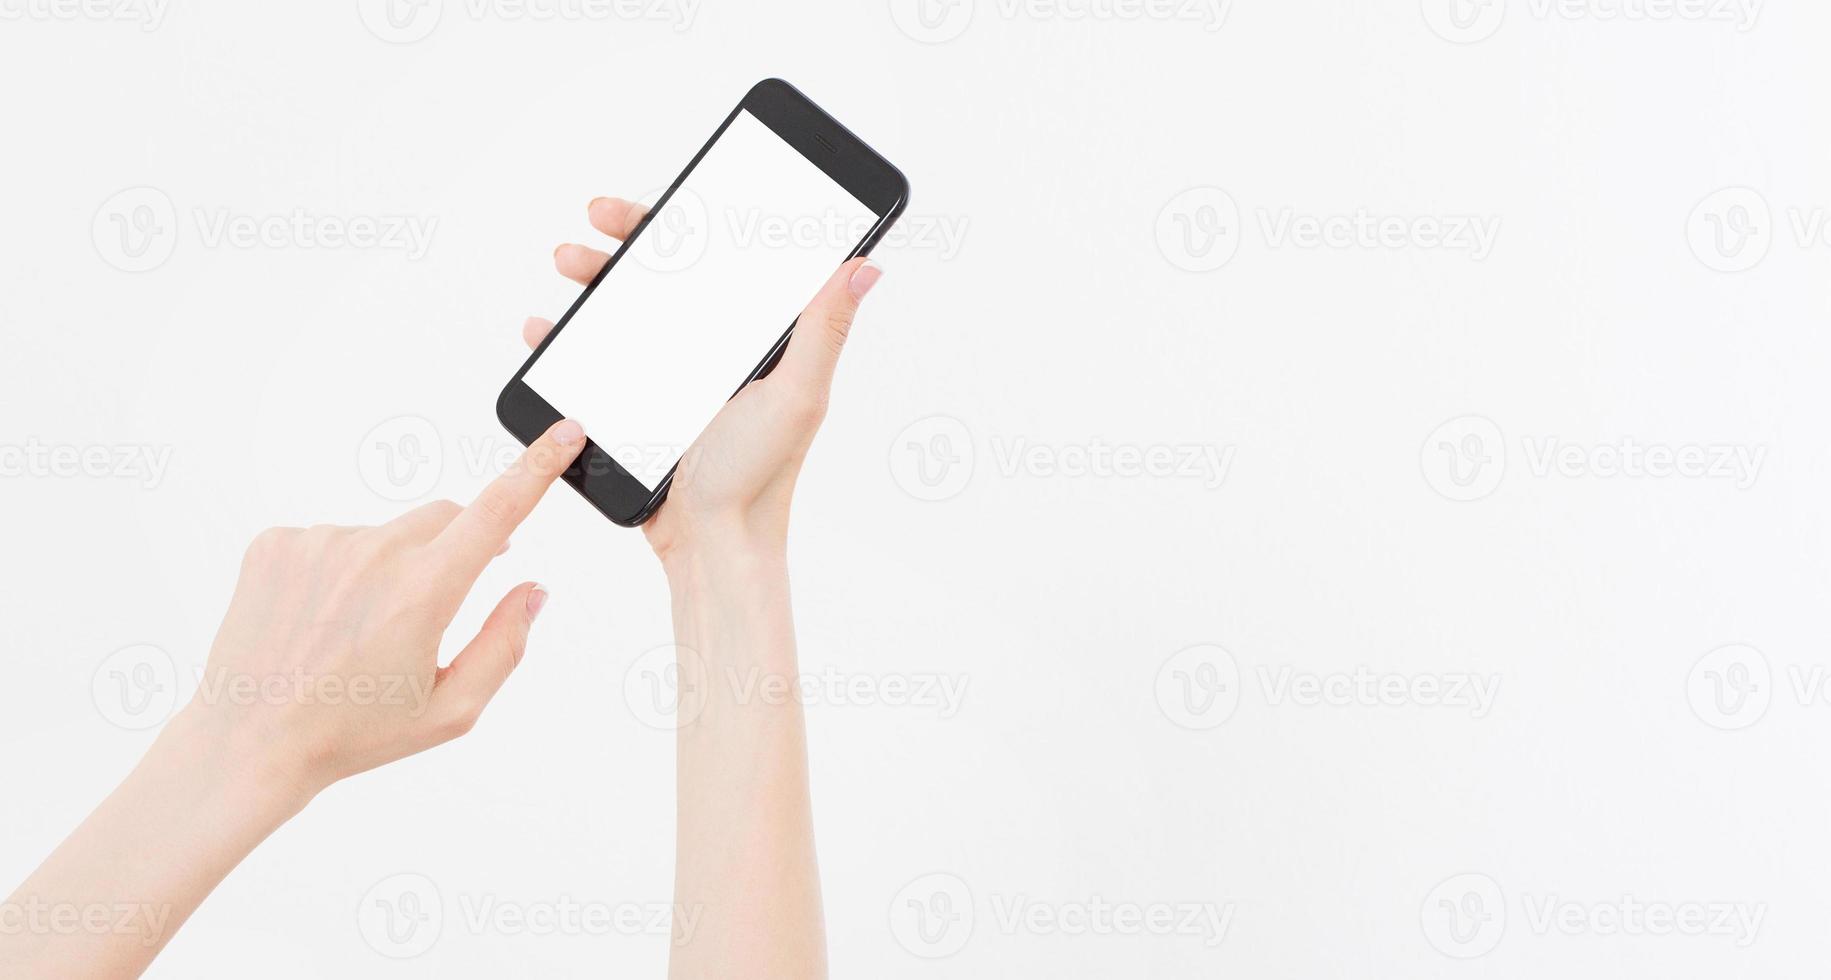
(359, 613)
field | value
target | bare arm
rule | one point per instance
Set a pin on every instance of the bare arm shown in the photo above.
(111, 896)
(745, 866)
(745, 869)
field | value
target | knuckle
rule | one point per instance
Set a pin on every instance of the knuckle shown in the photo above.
(371, 544)
(320, 535)
(807, 404)
(838, 323)
(270, 542)
(418, 613)
(516, 646)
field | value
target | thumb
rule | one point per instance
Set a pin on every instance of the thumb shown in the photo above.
(820, 332)
(463, 689)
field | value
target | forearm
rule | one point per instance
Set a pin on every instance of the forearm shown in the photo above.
(746, 873)
(112, 894)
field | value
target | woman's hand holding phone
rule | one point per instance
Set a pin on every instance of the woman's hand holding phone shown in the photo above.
(732, 489)
(745, 839)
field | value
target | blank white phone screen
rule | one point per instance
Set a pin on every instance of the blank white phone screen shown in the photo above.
(699, 298)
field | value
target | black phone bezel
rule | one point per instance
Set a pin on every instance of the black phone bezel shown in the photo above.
(823, 141)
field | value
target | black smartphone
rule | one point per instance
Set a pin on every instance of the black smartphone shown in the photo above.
(778, 198)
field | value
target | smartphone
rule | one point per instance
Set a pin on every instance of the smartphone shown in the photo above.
(691, 307)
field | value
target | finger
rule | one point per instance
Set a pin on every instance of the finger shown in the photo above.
(579, 263)
(534, 330)
(821, 330)
(474, 536)
(615, 217)
(465, 688)
(424, 522)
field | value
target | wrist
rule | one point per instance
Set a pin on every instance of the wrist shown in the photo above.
(228, 765)
(731, 604)
(718, 558)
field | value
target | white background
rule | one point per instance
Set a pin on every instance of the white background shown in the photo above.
(1064, 154)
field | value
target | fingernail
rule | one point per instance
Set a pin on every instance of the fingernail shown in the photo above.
(537, 597)
(568, 433)
(863, 279)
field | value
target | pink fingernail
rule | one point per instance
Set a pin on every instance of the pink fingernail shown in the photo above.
(537, 597)
(864, 278)
(568, 433)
